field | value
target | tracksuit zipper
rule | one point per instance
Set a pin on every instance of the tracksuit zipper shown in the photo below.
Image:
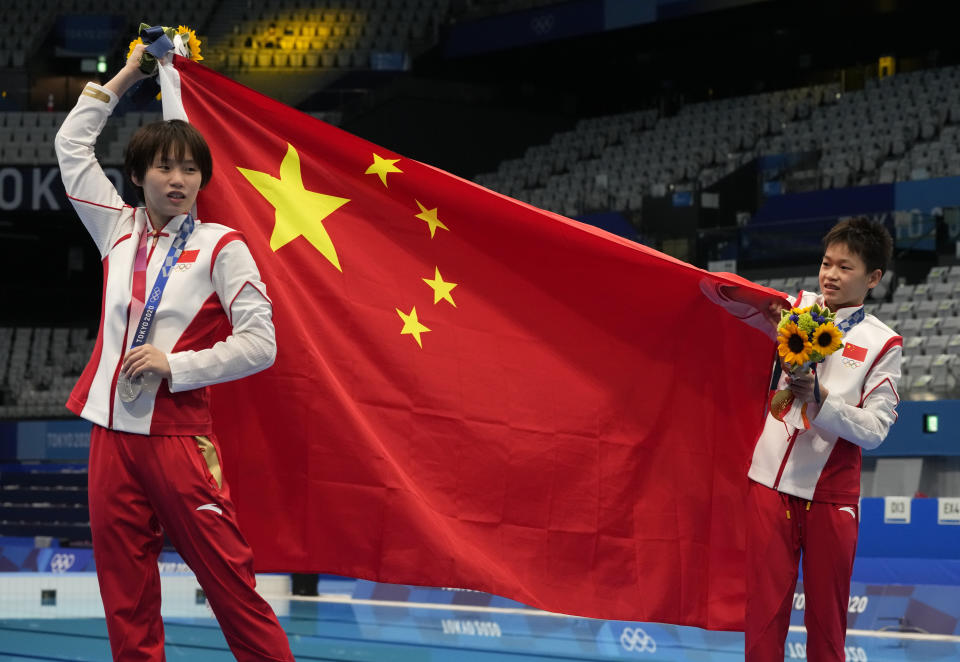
(786, 456)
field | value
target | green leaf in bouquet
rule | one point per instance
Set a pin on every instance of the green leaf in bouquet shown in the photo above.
(806, 323)
(784, 318)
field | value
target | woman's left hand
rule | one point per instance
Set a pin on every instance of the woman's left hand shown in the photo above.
(145, 358)
(802, 386)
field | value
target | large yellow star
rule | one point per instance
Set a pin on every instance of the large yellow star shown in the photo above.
(382, 167)
(430, 216)
(412, 325)
(441, 288)
(299, 211)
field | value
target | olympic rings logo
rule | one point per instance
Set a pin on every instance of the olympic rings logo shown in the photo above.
(62, 562)
(635, 639)
(850, 363)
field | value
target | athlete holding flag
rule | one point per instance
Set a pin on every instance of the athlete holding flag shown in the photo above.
(183, 308)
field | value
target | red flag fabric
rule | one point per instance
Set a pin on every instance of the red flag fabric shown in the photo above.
(472, 392)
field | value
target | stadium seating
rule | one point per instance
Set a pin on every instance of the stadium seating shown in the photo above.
(292, 35)
(38, 368)
(901, 128)
(26, 138)
(25, 147)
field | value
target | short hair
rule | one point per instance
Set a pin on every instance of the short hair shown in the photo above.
(166, 137)
(868, 239)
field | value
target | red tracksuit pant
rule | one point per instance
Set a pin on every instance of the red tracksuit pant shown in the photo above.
(142, 486)
(825, 535)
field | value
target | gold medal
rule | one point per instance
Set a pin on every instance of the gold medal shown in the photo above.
(780, 404)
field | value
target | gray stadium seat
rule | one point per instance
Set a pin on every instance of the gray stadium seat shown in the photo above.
(947, 308)
(905, 310)
(935, 345)
(920, 365)
(950, 325)
(927, 308)
(941, 290)
(953, 344)
(940, 369)
(779, 284)
(904, 293)
(930, 326)
(912, 346)
(909, 327)
(888, 311)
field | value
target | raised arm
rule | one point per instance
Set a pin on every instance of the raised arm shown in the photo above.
(91, 193)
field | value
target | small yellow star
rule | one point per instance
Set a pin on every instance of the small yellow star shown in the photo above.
(441, 288)
(299, 212)
(382, 167)
(412, 325)
(430, 216)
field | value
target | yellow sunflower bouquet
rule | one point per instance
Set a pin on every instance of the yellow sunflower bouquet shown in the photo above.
(181, 40)
(805, 337)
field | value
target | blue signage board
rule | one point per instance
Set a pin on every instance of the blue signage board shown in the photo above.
(88, 34)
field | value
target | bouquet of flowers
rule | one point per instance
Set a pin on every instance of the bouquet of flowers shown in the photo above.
(805, 337)
(181, 40)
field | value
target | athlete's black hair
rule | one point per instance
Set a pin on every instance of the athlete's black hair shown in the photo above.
(166, 138)
(868, 239)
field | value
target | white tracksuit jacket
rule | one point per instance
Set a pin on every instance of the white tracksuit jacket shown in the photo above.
(214, 321)
(818, 459)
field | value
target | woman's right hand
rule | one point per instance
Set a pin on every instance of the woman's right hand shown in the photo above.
(133, 62)
(129, 74)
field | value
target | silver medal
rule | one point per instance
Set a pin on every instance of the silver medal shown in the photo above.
(129, 389)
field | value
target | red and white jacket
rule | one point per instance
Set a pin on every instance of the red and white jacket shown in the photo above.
(214, 321)
(815, 453)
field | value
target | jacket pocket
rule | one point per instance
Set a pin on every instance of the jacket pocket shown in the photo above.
(209, 453)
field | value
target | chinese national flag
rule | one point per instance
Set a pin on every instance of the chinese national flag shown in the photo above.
(472, 392)
(851, 351)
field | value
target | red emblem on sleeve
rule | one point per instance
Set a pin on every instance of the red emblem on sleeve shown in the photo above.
(853, 352)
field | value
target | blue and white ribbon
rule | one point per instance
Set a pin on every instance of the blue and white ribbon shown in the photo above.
(169, 262)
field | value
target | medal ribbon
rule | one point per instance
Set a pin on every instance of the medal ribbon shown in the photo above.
(139, 278)
(844, 327)
(851, 321)
(146, 309)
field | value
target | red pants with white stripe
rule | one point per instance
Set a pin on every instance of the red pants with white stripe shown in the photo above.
(142, 487)
(780, 528)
